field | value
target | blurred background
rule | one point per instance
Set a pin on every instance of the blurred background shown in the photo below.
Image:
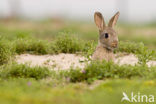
(45, 19)
(131, 10)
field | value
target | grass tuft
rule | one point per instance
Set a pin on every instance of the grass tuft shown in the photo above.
(101, 70)
(23, 71)
(130, 47)
(67, 44)
(6, 51)
(31, 46)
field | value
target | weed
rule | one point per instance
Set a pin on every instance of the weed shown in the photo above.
(100, 70)
(6, 51)
(130, 47)
(31, 46)
(23, 71)
(67, 44)
(145, 55)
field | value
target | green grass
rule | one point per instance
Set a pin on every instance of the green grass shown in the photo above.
(66, 43)
(38, 92)
(14, 70)
(104, 70)
(144, 54)
(6, 51)
(31, 46)
(22, 84)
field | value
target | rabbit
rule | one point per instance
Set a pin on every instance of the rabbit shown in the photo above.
(108, 38)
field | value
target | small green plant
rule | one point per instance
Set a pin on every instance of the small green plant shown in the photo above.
(145, 55)
(21, 45)
(89, 48)
(31, 46)
(23, 71)
(6, 51)
(66, 44)
(101, 70)
(38, 47)
(130, 47)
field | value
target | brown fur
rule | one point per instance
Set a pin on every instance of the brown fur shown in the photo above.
(103, 53)
(104, 50)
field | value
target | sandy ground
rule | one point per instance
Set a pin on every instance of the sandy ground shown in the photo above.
(65, 61)
(60, 61)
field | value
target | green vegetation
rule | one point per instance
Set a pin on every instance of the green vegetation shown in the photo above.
(66, 43)
(104, 70)
(21, 83)
(23, 71)
(144, 54)
(31, 46)
(17, 91)
(6, 51)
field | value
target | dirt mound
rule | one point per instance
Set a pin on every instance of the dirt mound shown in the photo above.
(65, 61)
(60, 61)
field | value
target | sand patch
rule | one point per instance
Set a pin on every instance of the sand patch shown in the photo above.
(151, 63)
(65, 61)
(129, 59)
(61, 61)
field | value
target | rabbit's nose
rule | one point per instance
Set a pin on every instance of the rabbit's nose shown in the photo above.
(115, 44)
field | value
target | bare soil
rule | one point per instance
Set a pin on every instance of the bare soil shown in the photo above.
(65, 61)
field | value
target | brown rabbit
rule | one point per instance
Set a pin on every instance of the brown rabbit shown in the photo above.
(108, 39)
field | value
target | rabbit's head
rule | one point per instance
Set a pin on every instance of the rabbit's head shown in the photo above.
(108, 37)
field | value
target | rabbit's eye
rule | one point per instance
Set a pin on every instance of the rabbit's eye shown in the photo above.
(106, 35)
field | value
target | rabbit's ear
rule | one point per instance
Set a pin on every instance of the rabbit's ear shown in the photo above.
(99, 20)
(113, 20)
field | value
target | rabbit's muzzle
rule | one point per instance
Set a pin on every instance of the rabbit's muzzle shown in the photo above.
(114, 44)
